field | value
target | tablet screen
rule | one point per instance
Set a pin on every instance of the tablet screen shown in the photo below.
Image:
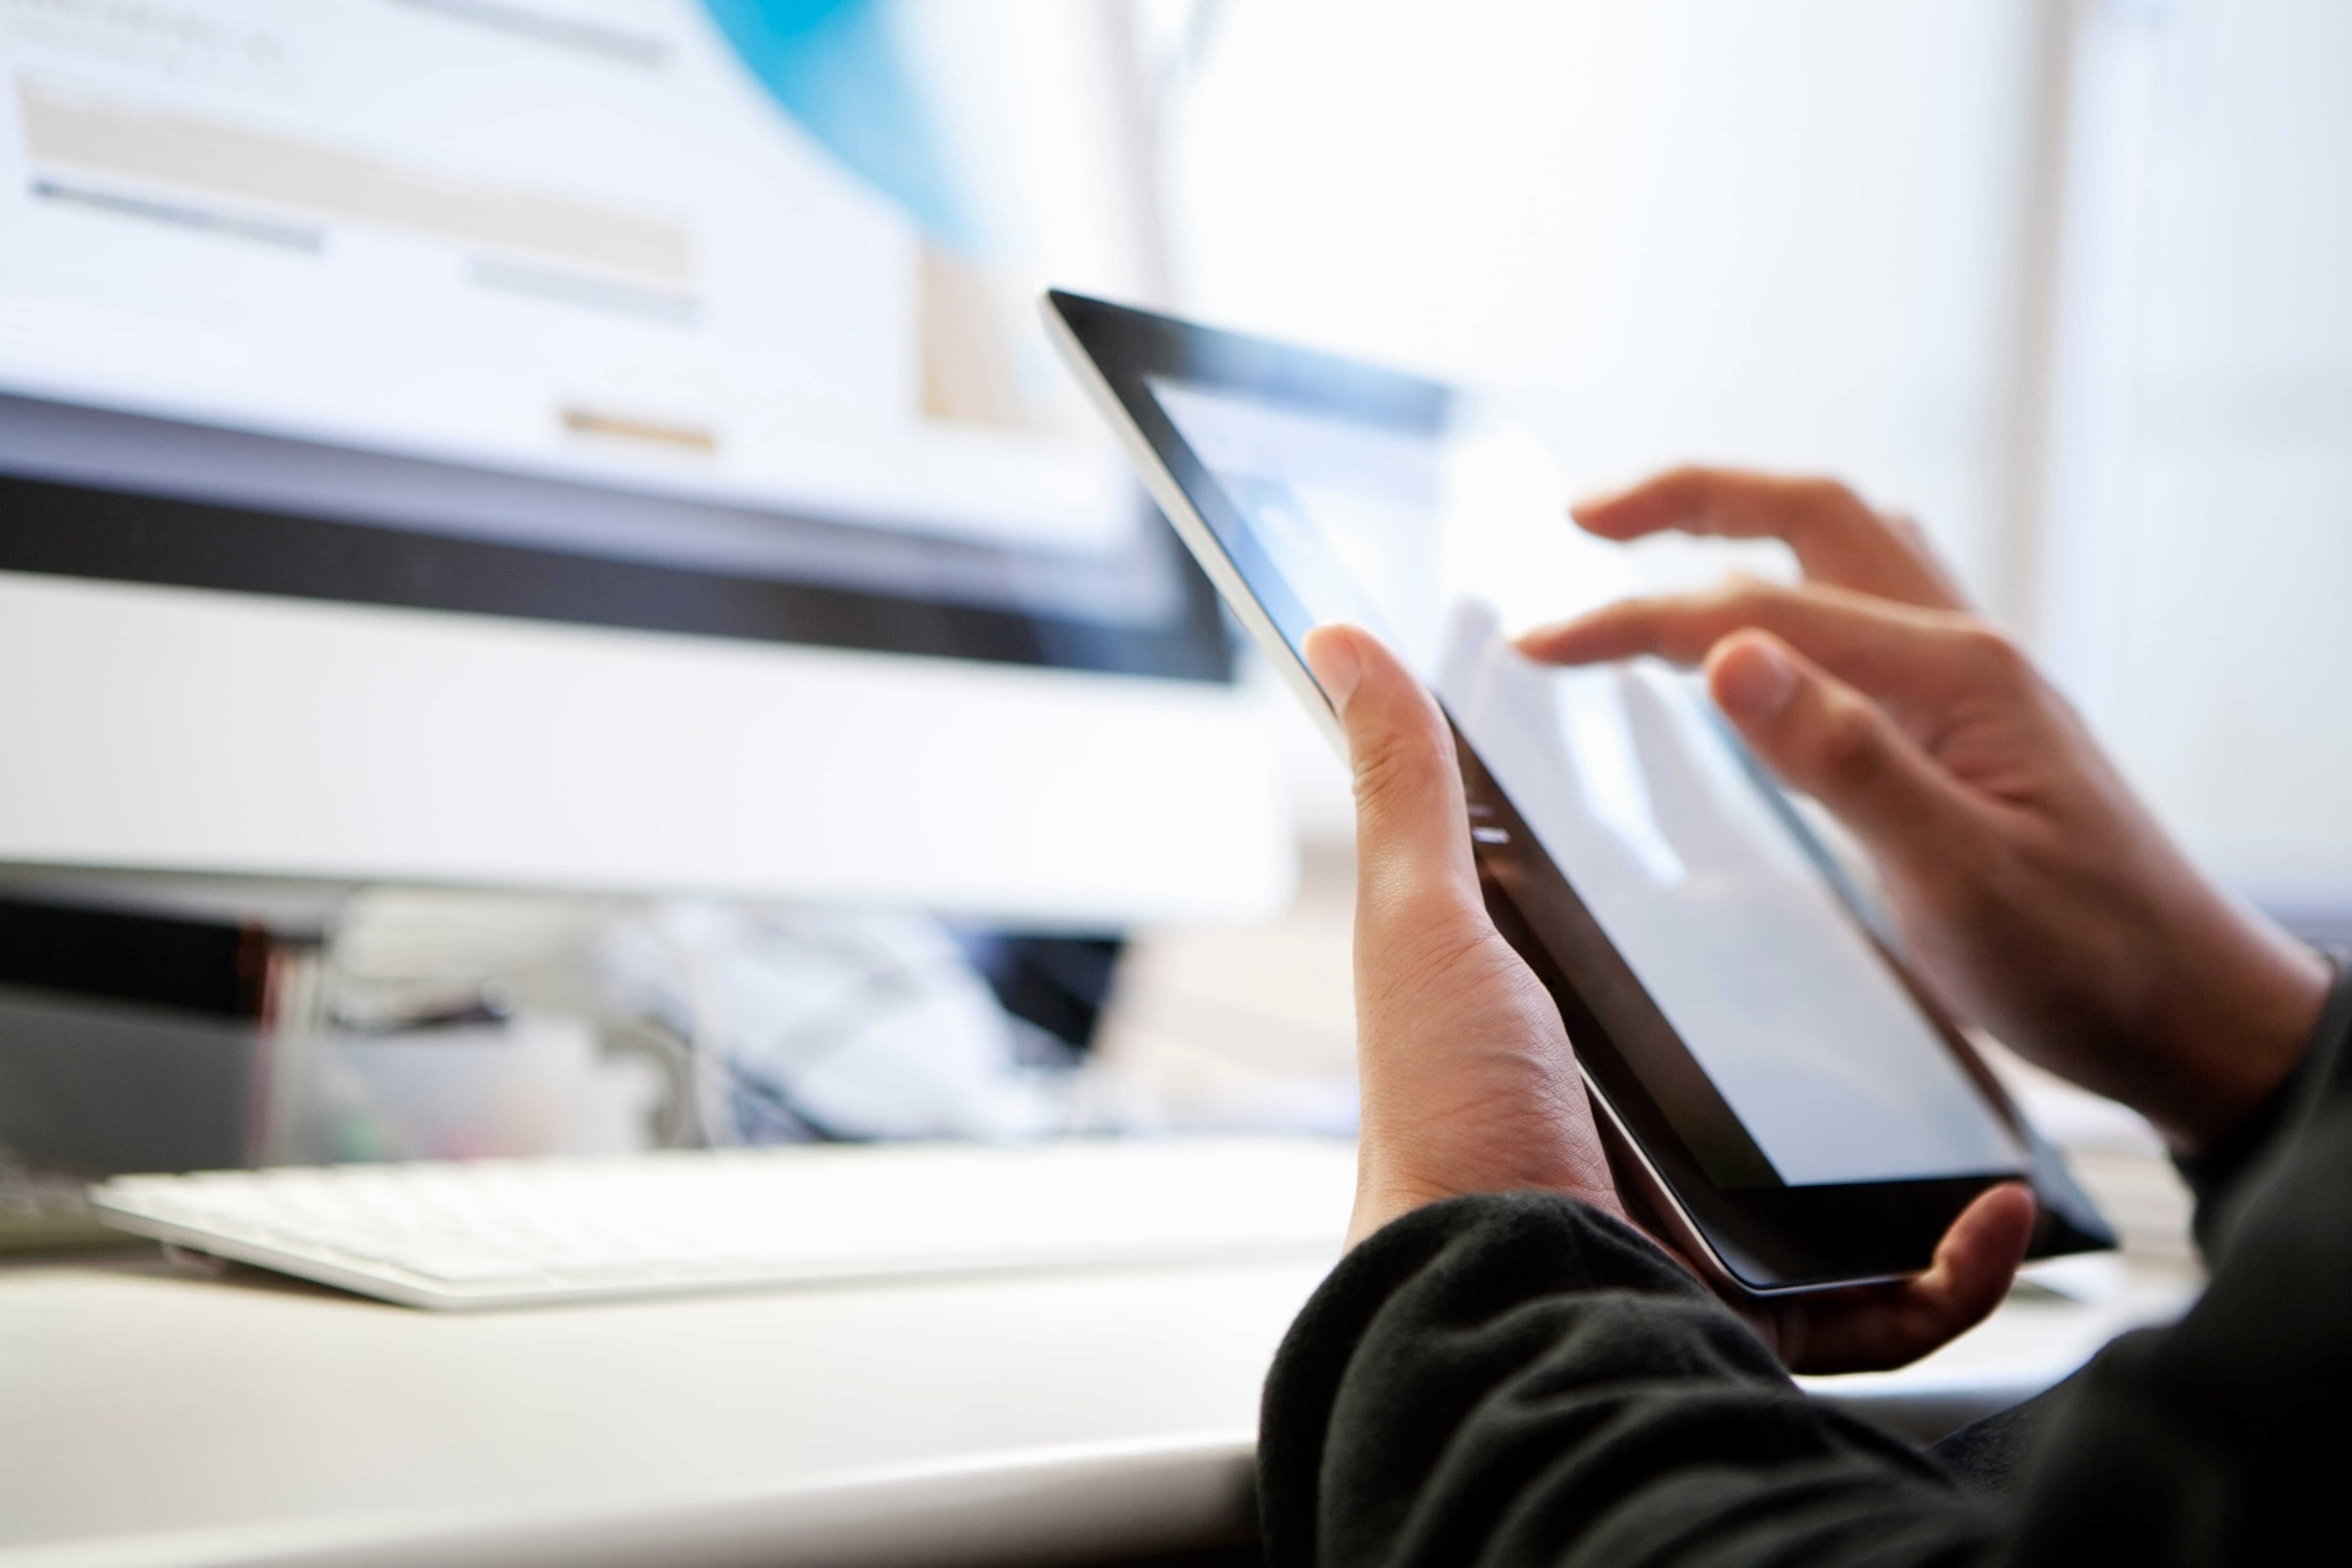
(1442, 529)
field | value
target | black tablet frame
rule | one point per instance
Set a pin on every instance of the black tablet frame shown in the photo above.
(1687, 1147)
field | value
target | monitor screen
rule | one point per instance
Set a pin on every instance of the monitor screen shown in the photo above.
(698, 315)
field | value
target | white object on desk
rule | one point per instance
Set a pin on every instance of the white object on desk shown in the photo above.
(505, 1233)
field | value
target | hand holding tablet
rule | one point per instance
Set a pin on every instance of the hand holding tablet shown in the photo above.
(1469, 1085)
(1775, 1095)
(1469, 1082)
(1770, 1090)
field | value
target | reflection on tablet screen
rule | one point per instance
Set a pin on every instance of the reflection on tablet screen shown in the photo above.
(1445, 538)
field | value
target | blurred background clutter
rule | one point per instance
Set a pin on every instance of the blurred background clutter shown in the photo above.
(674, 663)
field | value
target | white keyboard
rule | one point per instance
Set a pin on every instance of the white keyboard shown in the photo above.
(503, 1233)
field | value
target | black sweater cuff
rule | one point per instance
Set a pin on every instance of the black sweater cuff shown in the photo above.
(2218, 1175)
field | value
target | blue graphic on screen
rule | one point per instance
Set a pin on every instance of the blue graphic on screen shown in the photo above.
(840, 68)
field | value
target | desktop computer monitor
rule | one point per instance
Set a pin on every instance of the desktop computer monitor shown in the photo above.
(601, 444)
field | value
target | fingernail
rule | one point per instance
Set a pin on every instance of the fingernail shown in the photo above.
(1331, 655)
(1755, 681)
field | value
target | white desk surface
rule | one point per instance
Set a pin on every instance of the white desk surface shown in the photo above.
(151, 1416)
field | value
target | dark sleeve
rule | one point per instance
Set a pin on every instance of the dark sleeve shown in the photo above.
(1997, 1455)
(1513, 1381)
(2228, 1437)
(1519, 1380)
(2217, 1176)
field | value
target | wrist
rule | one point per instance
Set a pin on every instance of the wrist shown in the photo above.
(2240, 1037)
(1381, 1199)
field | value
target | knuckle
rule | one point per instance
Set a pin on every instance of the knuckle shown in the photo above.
(1636, 620)
(1822, 493)
(1438, 948)
(1748, 603)
(1850, 743)
(1825, 502)
(1990, 655)
(1381, 764)
(1397, 761)
(1744, 601)
(1907, 528)
(1464, 950)
(1839, 508)
(1970, 879)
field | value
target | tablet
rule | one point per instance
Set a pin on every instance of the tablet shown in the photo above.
(1783, 1104)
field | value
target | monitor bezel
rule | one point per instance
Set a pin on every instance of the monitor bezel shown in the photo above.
(180, 536)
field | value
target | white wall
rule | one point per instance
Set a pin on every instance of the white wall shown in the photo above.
(2229, 687)
(1786, 233)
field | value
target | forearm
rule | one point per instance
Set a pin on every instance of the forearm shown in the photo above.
(1519, 1380)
